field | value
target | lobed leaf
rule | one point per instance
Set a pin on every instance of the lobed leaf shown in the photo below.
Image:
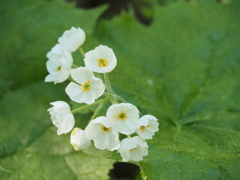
(184, 69)
(30, 146)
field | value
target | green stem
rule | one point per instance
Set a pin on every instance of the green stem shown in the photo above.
(89, 105)
(97, 75)
(116, 96)
(72, 80)
(74, 66)
(81, 51)
(120, 98)
(128, 136)
(100, 106)
(109, 89)
(106, 94)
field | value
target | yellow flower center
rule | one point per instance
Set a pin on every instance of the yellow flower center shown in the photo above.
(105, 129)
(86, 86)
(143, 128)
(122, 115)
(131, 150)
(102, 62)
(59, 68)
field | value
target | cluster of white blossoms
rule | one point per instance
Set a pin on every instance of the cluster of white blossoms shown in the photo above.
(121, 118)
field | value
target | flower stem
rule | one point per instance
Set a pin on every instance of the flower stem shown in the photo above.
(116, 96)
(98, 75)
(128, 136)
(74, 66)
(120, 98)
(81, 51)
(109, 89)
(72, 80)
(100, 106)
(89, 105)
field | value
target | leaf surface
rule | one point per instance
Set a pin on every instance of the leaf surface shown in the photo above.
(29, 145)
(184, 69)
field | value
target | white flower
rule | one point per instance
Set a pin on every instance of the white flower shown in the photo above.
(104, 136)
(133, 149)
(148, 126)
(59, 64)
(102, 59)
(72, 39)
(79, 139)
(124, 117)
(88, 89)
(61, 117)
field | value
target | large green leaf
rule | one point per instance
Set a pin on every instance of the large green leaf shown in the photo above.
(29, 29)
(30, 147)
(184, 69)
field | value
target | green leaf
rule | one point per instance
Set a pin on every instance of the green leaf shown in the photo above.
(30, 30)
(30, 147)
(184, 69)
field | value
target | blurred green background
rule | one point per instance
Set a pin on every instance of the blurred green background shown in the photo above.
(177, 60)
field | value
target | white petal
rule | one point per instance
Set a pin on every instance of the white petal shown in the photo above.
(61, 116)
(102, 141)
(50, 78)
(140, 133)
(88, 98)
(126, 155)
(127, 143)
(153, 126)
(73, 89)
(114, 143)
(130, 123)
(108, 139)
(81, 75)
(124, 129)
(60, 106)
(72, 39)
(136, 155)
(62, 77)
(140, 141)
(79, 139)
(143, 121)
(66, 125)
(65, 64)
(91, 59)
(133, 149)
(93, 130)
(145, 134)
(98, 91)
(51, 66)
(58, 57)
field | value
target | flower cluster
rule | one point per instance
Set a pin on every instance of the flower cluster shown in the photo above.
(85, 87)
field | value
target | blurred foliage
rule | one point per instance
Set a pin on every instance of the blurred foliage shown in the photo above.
(186, 73)
(143, 9)
(183, 69)
(29, 145)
